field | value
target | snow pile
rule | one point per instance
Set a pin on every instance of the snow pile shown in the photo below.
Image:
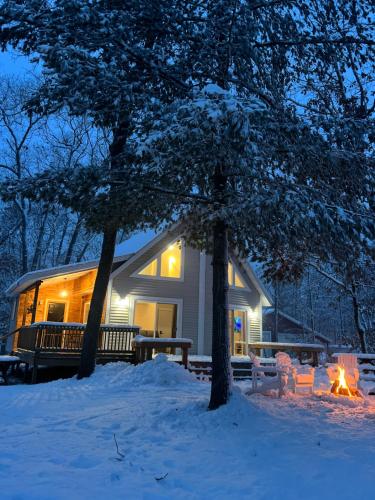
(158, 372)
(144, 432)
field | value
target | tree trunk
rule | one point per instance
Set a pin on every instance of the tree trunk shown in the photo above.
(23, 235)
(63, 232)
(275, 329)
(73, 241)
(38, 247)
(81, 254)
(91, 335)
(311, 304)
(221, 368)
(358, 321)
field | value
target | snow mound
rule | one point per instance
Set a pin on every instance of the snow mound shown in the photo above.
(159, 372)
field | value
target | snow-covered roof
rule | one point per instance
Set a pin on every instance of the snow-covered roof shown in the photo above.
(264, 293)
(148, 239)
(30, 278)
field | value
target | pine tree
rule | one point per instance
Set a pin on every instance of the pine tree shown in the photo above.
(103, 60)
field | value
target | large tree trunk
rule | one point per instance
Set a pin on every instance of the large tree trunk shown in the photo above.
(91, 335)
(358, 320)
(221, 367)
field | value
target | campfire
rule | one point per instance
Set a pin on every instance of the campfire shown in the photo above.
(340, 387)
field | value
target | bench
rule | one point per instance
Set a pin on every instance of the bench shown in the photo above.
(144, 347)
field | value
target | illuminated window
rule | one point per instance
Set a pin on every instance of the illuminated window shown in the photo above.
(171, 262)
(237, 281)
(234, 278)
(167, 265)
(151, 269)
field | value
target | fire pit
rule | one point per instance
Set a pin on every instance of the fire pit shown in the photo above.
(340, 387)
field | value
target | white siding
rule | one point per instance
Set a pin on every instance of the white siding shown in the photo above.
(256, 325)
(187, 291)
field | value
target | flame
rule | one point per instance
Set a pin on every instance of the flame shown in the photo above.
(342, 386)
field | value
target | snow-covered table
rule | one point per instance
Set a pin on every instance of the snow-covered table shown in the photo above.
(299, 349)
(145, 345)
(7, 362)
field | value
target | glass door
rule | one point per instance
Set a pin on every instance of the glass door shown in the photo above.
(156, 319)
(237, 330)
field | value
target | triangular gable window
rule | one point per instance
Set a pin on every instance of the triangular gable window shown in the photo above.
(151, 269)
(167, 265)
(234, 278)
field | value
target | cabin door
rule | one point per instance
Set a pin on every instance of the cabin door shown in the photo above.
(55, 312)
(238, 328)
(166, 320)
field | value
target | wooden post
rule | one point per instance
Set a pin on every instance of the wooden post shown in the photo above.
(315, 358)
(26, 372)
(34, 374)
(35, 301)
(185, 356)
(149, 353)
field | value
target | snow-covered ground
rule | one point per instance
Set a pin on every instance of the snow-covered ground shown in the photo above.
(57, 441)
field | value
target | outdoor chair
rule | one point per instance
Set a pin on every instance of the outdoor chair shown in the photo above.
(279, 382)
(349, 362)
(302, 378)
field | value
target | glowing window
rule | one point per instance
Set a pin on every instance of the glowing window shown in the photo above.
(234, 278)
(170, 265)
(237, 281)
(230, 274)
(150, 269)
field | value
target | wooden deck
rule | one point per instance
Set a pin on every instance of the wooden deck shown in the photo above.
(44, 344)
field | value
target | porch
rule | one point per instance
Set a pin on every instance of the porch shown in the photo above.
(60, 344)
(57, 299)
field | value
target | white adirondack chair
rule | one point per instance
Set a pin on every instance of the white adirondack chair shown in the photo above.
(279, 382)
(303, 377)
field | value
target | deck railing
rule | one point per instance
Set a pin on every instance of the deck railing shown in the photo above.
(67, 337)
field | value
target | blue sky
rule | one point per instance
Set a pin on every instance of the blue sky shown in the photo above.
(12, 64)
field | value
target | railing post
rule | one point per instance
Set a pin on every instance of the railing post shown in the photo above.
(34, 374)
(36, 337)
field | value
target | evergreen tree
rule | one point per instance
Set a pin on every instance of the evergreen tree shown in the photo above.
(260, 180)
(258, 175)
(104, 60)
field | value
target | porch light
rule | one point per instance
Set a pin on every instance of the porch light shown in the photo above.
(253, 313)
(123, 302)
(64, 292)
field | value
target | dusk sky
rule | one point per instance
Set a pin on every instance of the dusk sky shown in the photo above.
(13, 64)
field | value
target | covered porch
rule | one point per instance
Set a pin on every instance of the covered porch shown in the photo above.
(57, 299)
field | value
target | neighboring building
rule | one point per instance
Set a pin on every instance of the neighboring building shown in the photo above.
(165, 288)
(289, 329)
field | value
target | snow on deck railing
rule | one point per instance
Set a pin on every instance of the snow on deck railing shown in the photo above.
(170, 340)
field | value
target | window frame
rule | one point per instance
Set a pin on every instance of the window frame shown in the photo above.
(157, 256)
(52, 301)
